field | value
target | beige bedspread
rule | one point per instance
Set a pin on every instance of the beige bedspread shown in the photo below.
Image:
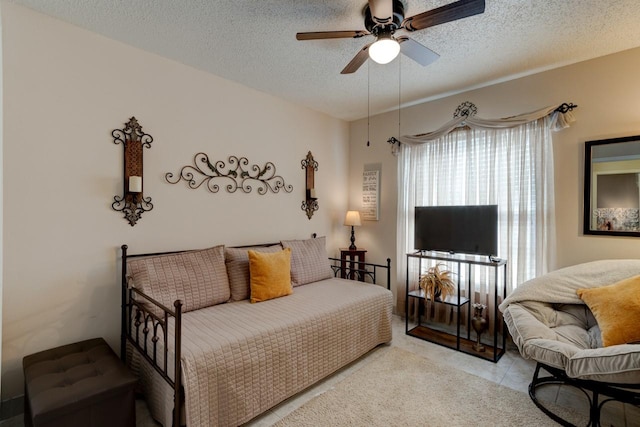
(240, 359)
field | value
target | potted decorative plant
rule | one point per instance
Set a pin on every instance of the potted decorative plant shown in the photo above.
(437, 283)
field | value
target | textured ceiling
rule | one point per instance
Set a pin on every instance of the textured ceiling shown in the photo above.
(253, 42)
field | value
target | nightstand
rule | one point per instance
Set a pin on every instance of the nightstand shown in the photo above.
(355, 259)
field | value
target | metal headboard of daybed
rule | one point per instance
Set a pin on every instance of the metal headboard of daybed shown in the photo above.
(140, 325)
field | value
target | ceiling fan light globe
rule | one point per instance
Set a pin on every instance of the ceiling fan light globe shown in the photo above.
(384, 50)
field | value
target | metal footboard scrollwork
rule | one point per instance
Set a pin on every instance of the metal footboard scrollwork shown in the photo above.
(146, 330)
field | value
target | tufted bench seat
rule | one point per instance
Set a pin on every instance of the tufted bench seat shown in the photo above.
(81, 384)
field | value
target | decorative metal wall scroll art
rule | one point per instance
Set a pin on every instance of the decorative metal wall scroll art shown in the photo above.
(310, 203)
(132, 203)
(235, 174)
(466, 109)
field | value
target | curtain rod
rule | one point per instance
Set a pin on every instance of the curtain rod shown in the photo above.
(564, 107)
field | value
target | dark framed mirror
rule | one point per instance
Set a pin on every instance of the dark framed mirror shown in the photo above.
(612, 186)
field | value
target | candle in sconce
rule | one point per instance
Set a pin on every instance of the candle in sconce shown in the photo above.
(312, 193)
(135, 184)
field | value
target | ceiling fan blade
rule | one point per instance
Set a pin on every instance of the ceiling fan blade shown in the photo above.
(317, 35)
(447, 13)
(357, 61)
(416, 51)
(381, 11)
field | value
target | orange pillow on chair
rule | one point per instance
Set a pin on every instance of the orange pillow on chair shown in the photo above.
(616, 309)
(269, 275)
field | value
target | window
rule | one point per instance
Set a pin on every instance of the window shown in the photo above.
(511, 167)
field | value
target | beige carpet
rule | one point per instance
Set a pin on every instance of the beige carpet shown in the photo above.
(400, 388)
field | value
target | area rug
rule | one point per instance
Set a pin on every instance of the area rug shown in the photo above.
(400, 388)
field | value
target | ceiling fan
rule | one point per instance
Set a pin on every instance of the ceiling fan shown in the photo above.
(382, 18)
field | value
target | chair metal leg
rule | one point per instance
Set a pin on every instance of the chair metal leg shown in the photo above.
(625, 393)
(542, 381)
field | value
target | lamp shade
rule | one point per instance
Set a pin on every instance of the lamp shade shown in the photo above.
(352, 218)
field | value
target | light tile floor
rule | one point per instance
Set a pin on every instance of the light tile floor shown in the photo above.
(511, 371)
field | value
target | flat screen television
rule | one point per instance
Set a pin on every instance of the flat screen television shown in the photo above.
(457, 229)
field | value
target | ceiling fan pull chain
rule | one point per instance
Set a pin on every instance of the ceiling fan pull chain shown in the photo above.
(396, 150)
(368, 102)
(399, 90)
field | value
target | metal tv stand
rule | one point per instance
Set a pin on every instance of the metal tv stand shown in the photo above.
(462, 340)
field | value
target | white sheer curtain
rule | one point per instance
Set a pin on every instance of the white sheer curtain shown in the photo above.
(510, 167)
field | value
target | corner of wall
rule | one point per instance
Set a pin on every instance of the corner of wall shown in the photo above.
(1, 184)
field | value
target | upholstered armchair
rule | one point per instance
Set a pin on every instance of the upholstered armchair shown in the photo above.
(581, 324)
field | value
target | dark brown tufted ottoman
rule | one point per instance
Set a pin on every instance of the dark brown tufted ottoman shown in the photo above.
(81, 384)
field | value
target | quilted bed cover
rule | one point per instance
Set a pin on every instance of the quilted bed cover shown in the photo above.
(240, 359)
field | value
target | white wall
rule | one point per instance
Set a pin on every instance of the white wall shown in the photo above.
(607, 92)
(65, 90)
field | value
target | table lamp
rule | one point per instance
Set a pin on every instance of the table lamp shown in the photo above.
(353, 219)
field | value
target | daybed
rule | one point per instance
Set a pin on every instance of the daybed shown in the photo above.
(582, 325)
(202, 349)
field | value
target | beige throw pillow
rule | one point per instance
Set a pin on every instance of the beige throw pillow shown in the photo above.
(309, 260)
(198, 278)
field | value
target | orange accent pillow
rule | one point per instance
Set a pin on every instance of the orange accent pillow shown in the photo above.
(269, 275)
(616, 309)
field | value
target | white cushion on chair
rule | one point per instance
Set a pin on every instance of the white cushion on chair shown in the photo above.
(613, 364)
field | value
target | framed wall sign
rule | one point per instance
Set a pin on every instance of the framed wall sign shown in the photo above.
(371, 192)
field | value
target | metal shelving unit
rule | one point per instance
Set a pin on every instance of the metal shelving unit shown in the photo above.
(440, 336)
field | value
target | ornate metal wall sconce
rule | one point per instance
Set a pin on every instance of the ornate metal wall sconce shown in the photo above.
(310, 203)
(132, 203)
